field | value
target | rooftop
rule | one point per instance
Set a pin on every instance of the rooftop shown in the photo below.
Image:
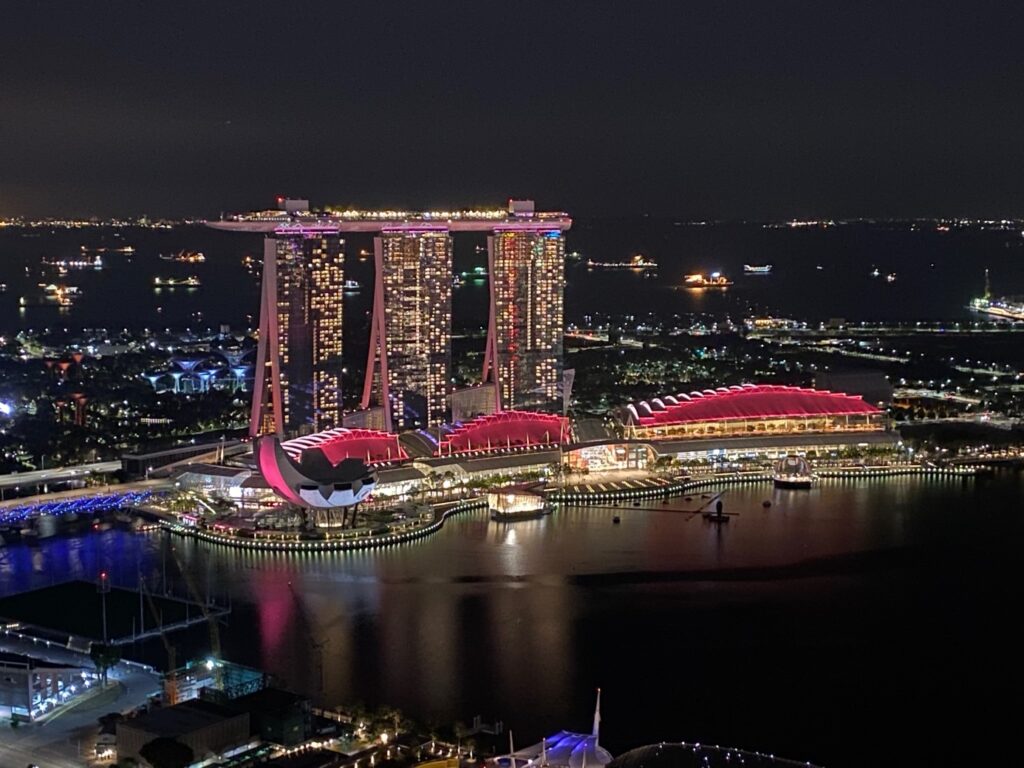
(187, 717)
(749, 401)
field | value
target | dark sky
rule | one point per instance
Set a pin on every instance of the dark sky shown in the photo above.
(696, 109)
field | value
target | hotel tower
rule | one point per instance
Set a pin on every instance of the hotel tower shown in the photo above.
(297, 385)
(410, 354)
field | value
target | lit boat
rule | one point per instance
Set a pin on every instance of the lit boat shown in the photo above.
(352, 286)
(891, 277)
(757, 269)
(176, 282)
(1004, 309)
(875, 272)
(185, 257)
(638, 261)
(477, 273)
(793, 472)
(714, 280)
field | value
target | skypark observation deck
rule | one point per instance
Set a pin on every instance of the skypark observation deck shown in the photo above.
(278, 221)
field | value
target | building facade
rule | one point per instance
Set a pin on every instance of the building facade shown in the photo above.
(527, 317)
(297, 384)
(409, 365)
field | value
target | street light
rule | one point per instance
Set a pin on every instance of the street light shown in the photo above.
(103, 586)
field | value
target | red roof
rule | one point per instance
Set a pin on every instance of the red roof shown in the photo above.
(750, 401)
(367, 445)
(504, 430)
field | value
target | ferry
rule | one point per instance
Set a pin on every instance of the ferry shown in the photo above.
(65, 264)
(106, 249)
(175, 282)
(185, 257)
(637, 262)
(1005, 308)
(714, 280)
(352, 286)
(757, 269)
(793, 472)
(1002, 308)
(477, 273)
(62, 295)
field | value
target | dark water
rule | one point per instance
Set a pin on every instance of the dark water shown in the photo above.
(937, 274)
(862, 623)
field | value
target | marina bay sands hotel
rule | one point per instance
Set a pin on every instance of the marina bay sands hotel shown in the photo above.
(297, 386)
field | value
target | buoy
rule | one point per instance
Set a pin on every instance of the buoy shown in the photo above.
(766, 503)
(616, 520)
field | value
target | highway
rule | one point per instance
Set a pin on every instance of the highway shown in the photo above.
(57, 474)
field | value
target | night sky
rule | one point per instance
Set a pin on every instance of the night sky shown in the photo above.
(692, 109)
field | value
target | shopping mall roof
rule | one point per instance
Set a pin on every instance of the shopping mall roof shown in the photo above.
(367, 445)
(749, 401)
(505, 430)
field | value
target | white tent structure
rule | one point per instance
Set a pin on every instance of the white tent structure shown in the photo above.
(564, 749)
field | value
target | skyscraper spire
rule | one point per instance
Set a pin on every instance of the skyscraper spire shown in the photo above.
(597, 718)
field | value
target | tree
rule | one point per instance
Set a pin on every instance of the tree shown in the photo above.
(104, 657)
(164, 752)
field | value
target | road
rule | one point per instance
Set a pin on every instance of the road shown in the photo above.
(67, 739)
(57, 474)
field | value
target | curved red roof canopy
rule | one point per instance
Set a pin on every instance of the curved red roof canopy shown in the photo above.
(339, 444)
(504, 430)
(762, 401)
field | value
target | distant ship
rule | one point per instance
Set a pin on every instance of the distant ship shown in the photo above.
(793, 472)
(352, 286)
(637, 262)
(106, 249)
(185, 257)
(1005, 308)
(891, 277)
(62, 295)
(875, 272)
(96, 262)
(757, 269)
(714, 280)
(175, 282)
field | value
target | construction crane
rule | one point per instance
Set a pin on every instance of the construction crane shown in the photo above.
(211, 619)
(170, 681)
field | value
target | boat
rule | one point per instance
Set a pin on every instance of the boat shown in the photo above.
(477, 273)
(875, 272)
(106, 249)
(793, 472)
(714, 280)
(1003, 308)
(175, 282)
(891, 277)
(757, 269)
(352, 286)
(61, 295)
(638, 261)
(185, 257)
(63, 265)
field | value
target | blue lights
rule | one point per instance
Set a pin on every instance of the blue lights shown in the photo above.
(84, 505)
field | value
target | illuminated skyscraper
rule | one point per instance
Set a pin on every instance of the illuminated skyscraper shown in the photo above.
(410, 332)
(526, 324)
(297, 386)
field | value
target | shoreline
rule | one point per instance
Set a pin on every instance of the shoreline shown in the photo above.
(664, 489)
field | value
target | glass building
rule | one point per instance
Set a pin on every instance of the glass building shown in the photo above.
(297, 387)
(526, 323)
(409, 369)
